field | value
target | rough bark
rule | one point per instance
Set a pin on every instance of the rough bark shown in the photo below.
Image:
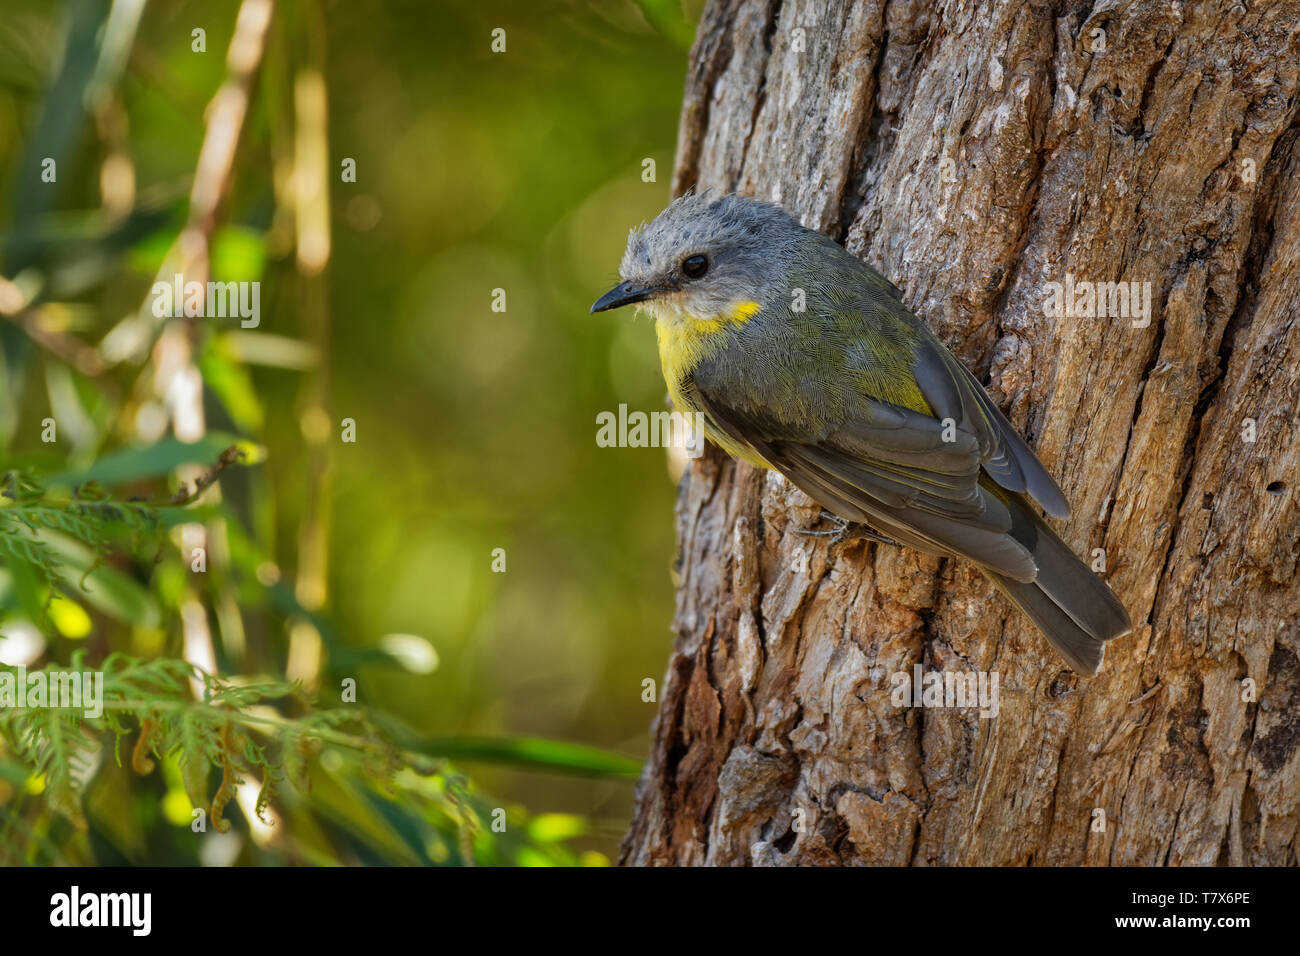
(974, 152)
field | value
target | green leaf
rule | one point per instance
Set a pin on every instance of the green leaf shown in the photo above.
(58, 128)
(151, 461)
(233, 386)
(534, 752)
(105, 588)
(13, 772)
(264, 348)
(27, 585)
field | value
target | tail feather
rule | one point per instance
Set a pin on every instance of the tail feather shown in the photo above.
(1076, 611)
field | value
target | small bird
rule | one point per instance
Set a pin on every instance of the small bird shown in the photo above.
(803, 359)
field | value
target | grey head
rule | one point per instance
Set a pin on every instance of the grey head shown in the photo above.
(704, 255)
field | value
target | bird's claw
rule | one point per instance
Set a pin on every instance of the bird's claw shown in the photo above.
(845, 530)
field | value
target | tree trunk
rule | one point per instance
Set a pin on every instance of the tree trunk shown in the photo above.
(974, 153)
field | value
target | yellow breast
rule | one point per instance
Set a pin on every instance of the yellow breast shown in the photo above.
(687, 340)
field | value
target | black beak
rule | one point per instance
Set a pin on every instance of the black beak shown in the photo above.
(625, 293)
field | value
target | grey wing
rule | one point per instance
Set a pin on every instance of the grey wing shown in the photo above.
(953, 392)
(889, 467)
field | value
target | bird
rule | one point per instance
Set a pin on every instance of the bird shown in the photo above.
(801, 358)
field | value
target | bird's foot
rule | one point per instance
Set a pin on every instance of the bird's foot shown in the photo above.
(845, 530)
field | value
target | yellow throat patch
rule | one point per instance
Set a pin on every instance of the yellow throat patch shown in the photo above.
(686, 340)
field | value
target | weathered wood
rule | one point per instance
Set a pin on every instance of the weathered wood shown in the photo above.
(974, 152)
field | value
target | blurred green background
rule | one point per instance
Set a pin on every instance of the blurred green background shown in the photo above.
(475, 429)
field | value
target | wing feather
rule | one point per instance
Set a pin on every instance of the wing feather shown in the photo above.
(945, 511)
(952, 391)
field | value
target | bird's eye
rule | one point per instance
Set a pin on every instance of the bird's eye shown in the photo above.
(693, 267)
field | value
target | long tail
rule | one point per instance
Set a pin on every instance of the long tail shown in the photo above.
(1073, 607)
